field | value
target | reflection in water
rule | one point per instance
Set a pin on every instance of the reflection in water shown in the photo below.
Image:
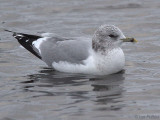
(108, 91)
(54, 78)
(101, 90)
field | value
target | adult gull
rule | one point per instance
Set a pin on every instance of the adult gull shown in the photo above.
(101, 55)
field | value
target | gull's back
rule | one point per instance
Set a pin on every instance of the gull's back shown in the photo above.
(73, 50)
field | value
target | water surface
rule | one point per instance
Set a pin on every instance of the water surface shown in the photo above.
(31, 91)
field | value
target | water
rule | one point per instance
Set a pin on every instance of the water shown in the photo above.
(31, 91)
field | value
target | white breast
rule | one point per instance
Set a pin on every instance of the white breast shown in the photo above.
(113, 62)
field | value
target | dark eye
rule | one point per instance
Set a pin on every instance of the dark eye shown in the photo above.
(113, 36)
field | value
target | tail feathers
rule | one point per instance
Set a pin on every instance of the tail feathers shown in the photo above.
(26, 41)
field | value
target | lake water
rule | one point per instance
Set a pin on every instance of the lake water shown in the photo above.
(31, 91)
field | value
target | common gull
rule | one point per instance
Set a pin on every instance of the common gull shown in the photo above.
(101, 55)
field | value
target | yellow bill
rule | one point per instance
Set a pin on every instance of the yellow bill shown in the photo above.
(129, 40)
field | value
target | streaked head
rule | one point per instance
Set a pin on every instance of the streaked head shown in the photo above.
(109, 36)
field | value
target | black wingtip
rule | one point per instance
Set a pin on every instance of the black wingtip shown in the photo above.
(26, 41)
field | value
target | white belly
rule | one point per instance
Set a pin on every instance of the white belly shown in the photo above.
(96, 64)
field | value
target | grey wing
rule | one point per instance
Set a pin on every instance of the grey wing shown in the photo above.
(60, 49)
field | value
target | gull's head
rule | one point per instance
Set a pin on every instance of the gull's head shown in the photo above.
(109, 37)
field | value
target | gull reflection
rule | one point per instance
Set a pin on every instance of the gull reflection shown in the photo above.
(103, 91)
(108, 90)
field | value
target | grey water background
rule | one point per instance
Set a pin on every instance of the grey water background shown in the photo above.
(31, 91)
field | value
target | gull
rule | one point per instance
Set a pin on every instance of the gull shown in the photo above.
(99, 55)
